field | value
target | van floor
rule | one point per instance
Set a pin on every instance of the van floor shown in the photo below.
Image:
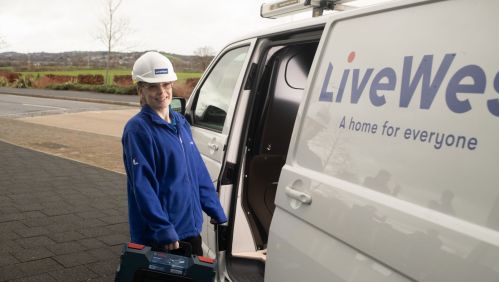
(246, 270)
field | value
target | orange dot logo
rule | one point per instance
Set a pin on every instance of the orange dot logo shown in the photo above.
(351, 57)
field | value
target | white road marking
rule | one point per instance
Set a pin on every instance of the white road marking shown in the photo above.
(43, 106)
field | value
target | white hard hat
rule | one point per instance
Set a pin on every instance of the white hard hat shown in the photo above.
(152, 67)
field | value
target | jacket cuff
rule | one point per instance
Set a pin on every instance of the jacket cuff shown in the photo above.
(166, 236)
(221, 218)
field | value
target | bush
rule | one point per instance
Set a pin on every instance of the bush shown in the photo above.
(42, 82)
(3, 82)
(191, 82)
(64, 86)
(185, 90)
(10, 76)
(97, 79)
(113, 89)
(123, 80)
(24, 82)
(58, 79)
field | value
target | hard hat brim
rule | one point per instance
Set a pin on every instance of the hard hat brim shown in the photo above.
(169, 78)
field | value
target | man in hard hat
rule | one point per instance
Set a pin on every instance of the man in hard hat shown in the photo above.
(167, 181)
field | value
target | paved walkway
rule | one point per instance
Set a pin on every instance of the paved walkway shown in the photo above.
(60, 220)
(105, 122)
(99, 150)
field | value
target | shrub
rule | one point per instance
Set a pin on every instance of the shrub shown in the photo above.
(3, 81)
(97, 79)
(123, 80)
(42, 82)
(185, 90)
(24, 82)
(94, 88)
(58, 79)
(191, 82)
(10, 76)
(63, 86)
(115, 89)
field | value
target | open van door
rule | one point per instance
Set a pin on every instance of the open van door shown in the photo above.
(210, 111)
(255, 139)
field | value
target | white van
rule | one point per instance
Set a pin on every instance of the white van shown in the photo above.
(362, 145)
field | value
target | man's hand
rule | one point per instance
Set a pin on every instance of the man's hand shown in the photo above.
(172, 246)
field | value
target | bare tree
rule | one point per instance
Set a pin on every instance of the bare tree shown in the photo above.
(113, 30)
(3, 43)
(205, 55)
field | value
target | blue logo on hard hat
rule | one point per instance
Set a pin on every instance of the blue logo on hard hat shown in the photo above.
(160, 71)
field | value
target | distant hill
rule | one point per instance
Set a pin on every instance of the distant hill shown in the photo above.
(91, 60)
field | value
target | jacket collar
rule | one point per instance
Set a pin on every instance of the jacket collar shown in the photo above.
(148, 111)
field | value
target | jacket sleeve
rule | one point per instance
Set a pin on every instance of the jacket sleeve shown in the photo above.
(140, 168)
(208, 195)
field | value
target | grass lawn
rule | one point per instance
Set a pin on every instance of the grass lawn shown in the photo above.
(181, 76)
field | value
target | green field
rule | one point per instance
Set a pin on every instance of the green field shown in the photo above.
(181, 76)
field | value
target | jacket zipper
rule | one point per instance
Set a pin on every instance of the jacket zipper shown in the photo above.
(188, 172)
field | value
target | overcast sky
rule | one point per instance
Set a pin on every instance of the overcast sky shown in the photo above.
(174, 26)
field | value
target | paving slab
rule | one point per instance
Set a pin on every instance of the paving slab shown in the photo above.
(52, 241)
(63, 209)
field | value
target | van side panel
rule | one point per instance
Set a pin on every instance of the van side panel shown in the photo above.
(397, 144)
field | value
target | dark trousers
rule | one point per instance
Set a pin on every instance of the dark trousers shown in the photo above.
(196, 243)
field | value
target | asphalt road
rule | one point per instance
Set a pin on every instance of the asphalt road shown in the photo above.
(14, 106)
(126, 100)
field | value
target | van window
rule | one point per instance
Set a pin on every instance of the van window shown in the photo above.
(215, 94)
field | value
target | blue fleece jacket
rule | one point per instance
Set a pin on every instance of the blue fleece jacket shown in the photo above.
(167, 181)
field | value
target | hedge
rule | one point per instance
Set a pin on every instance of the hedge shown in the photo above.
(95, 88)
(10, 76)
(57, 79)
(123, 80)
(97, 79)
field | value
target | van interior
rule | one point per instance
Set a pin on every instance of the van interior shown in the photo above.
(277, 94)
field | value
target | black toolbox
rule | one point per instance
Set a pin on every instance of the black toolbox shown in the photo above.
(141, 263)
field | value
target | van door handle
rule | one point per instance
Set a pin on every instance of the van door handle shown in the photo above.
(299, 196)
(213, 146)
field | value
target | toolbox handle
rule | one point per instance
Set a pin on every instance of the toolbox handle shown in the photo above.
(185, 249)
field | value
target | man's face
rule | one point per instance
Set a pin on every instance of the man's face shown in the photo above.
(157, 95)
